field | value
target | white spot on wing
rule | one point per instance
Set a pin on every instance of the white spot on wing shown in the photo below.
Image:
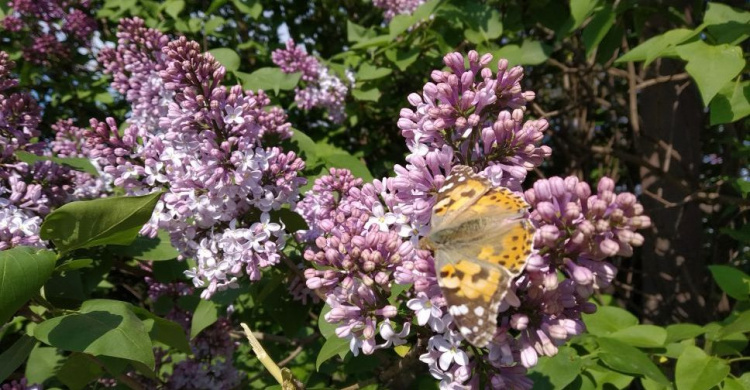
(479, 311)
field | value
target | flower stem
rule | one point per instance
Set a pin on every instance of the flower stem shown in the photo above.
(262, 355)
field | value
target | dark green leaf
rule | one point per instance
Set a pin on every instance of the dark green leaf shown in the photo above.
(697, 371)
(144, 248)
(369, 95)
(254, 8)
(732, 281)
(269, 79)
(345, 160)
(530, 53)
(403, 59)
(332, 347)
(326, 329)
(226, 57)
(174, 7)
(43, 364)
(357, 33)
(370, 72)
(108, 221)
(396, 290)
(23, 271)
(711, 66)
(629, 360)
(16, 355)
(162, 330)
(598, 28)
(727, 24)
(741, 324)
(78, 371)
(559, 370)
(76, 163)
(204, 316)
(608, 319)
(102, 327)
(292, 221)
(644, 336)
(579, 11)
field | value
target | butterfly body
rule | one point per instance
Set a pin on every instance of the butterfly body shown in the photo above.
(481, 240)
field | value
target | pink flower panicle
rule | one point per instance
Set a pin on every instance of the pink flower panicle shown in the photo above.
(363, 239)
(392, 8)
(206, 146)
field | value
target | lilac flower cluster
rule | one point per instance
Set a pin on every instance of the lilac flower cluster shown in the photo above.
(392, 8)
(364, 237)
(28, 192)
(206, 146)
(51, 30)
(22, 384)
(323, 88)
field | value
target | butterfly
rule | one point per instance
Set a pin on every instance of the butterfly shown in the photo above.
(481, 240)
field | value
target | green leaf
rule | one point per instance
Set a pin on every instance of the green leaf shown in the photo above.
(162, 330)
(327, 329)
(396, 290)
(332, 347)
(486, 28)
(732, 281)
(213, 24)
(226, 57)
(711, 66)
(403, 59)
(292, 221)
(399, 24)
(579, 11)
(530, 53)
(369, 95)
(741, 324)
(742, 185)
(624, 358)
(204, 316)
(76, 163)
(371, 72)
(173, 8)
(269, 79)
(608, 319)
(144, 248)
(559, 370)
(697, 371)
(656, 46)
(380, 40)
(357, 33)
(43, 363)
(731, 104)
(108, 221)
(598, 28)
(644, 336)
(16, 355)
(101, 328)
(603, 376)
(254, 8)
(733, 384)
(679, 332)
(23, 271)
(78, 371)
(727, 24)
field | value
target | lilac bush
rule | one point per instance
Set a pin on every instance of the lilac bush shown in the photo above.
(208, 147)
(363, 240)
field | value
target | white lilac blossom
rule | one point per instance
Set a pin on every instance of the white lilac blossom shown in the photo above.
(363, 238)
(208, 147)
(322, 88)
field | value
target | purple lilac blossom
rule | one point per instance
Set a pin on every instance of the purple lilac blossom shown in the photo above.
(474, 116)
(323, 88)
(51, 30)
(22, 384)
(392, 8)
(28, 192)
(207, 146)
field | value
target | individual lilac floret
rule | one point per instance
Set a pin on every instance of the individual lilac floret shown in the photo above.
(208, 147)
(323, 89)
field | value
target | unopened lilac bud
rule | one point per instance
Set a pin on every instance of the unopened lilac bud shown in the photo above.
(388, 311)
(321, 242)
(382, 278)
(519, 321)
(609, 247)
